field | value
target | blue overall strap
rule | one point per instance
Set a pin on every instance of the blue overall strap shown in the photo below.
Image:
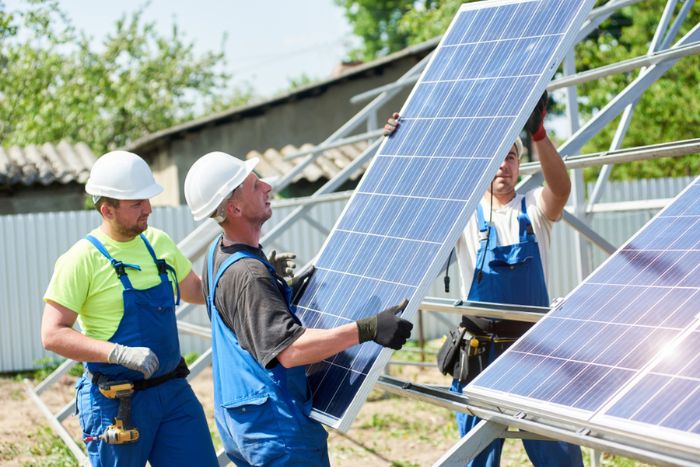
(118, 266)
(163, 267)
(525, 226)
(210, 274)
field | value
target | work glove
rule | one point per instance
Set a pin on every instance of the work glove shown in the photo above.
(385, 328)
(283, 263)
(535, 124)
(300, 281)
(135, 358)
(392, 124)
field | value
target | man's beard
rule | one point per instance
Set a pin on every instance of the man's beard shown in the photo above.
(130, 231)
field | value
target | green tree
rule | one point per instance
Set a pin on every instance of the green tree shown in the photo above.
(57, 84)
(380, 24)
(668, 111)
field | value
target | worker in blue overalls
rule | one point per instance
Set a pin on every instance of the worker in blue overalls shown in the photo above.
(502, 256)
(260, 349)
(121, 283)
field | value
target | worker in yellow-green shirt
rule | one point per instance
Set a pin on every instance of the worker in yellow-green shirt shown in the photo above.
(122, 283)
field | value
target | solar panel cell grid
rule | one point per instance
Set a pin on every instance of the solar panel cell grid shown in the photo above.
(406, 213)
(623, 349)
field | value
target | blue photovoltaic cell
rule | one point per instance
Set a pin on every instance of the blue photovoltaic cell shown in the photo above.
(624, 347)
(405, 215)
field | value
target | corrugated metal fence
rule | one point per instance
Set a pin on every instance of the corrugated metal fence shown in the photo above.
(31, 243)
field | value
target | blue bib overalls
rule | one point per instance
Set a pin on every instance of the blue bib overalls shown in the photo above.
(172, 427)
(262, 414)
(511, 274)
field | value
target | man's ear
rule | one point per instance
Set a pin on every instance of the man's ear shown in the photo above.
(107, 211)
(232, 209)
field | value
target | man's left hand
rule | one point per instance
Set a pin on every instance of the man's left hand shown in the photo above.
(535, 124)
(283, 263)
(391, 124)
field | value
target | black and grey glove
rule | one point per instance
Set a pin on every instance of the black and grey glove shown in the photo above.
(135, 358)
(385, 328)
(300, 281)
(283, 263)
(535, 123)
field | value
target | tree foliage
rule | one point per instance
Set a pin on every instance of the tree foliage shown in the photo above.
(57, 84)
(668, 111)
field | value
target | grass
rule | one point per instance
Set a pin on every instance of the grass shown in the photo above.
(44, 367)
(49, 450)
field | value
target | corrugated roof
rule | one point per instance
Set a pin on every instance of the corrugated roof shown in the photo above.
(272, 164)
(62, 163)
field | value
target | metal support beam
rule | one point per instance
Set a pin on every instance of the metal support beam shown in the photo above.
(653, 151)
(626, 119)
(478, 439)
(551, 429)
(630, 94)
(525, 313)
(370, 134)
(331, 186)
(588, 232)
(614, 107)
(673, 30)
(344, 130)
(56, 425)
(625, 66)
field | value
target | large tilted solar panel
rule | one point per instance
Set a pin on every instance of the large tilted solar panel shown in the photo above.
(396, 231)
(621, 354)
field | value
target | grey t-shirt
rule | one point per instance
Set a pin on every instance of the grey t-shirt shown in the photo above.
(252, 306)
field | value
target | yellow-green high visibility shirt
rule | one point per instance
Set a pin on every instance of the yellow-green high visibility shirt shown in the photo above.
(84, 280)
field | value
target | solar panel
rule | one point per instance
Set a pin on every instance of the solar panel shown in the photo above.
(396, 231)
(621, 354)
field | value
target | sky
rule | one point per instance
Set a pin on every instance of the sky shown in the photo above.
(269, 41)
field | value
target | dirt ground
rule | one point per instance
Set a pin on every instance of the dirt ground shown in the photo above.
(389, 431)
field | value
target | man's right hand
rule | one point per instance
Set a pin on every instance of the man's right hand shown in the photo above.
(385, 328)
(392, 124)
(135, 358)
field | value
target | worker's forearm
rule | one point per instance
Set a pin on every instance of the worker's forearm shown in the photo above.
(553, 168)
(315, 345)
(69, 343)
(191, 289)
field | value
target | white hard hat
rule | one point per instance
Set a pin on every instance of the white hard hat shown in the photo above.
(211, 179)
(519, 146)
(122, 175)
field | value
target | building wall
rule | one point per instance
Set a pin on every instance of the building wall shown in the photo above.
(38, 198)
(309, 117)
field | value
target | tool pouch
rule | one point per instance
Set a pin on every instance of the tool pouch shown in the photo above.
(449, 353)
(471, 362)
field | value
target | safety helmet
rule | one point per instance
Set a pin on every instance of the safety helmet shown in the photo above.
(211, 179)
(122, 175)
(519, 147)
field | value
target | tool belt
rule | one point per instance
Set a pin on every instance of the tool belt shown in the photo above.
(180, 371)
(465, 352)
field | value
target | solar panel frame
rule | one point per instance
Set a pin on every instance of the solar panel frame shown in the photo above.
(361, 383)
(599, 420)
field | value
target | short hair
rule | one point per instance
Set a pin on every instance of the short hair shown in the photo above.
(219, 214)
(105, 200)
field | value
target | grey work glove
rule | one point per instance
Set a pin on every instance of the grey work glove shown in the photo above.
(135, 358)
(392, 124)
(283, 263)
(385, 328)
